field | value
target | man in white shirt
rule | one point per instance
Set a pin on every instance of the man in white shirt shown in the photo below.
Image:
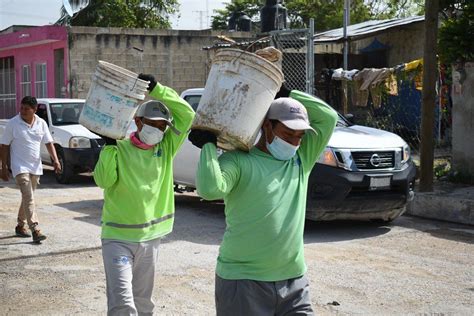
(22, 138)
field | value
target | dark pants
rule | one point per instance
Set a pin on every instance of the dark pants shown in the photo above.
(248, 297)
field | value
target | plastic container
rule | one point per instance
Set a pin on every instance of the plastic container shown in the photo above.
(239, 90)
(112, 101)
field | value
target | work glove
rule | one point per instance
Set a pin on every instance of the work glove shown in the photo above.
(200, 137)
(150, 78)
(284, 92)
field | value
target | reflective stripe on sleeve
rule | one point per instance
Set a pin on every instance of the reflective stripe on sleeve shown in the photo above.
(150, 223)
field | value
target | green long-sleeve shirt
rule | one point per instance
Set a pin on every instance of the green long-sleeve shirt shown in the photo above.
(137, 183)
(265, 201)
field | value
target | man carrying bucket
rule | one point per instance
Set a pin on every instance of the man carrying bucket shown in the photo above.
(137, 177)
(260, 269)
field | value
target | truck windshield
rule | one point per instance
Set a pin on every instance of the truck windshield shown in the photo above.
(65, 113)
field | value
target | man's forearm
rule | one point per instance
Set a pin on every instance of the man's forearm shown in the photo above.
(5, 149)
(52, 151)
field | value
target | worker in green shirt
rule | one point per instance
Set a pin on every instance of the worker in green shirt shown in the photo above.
(261, 268)
(137, 177)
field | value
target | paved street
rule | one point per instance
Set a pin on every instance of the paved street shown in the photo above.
(412, 266)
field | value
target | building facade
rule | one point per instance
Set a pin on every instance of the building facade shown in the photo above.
(33, 61)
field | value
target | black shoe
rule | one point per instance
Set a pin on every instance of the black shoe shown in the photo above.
(21, 231)
(38, 236)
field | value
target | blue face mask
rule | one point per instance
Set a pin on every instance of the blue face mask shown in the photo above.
(281, 150)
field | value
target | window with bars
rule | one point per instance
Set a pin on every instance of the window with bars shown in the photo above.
(7, 88)
(25, 80)
(41, 82)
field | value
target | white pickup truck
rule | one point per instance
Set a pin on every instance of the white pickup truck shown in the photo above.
(363, 174)
(77, 148)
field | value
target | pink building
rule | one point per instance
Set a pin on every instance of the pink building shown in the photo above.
(33, 61)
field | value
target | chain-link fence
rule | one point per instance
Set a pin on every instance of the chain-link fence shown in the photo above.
(297, 65)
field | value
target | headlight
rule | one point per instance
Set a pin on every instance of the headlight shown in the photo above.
(328, 158)
(405, 153)
(79, 142)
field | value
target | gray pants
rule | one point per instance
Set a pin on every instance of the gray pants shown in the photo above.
(130, 276)
(248, 297)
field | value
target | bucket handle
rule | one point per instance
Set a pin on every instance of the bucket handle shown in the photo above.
(249, 46)
(256, 41)
(140, 64)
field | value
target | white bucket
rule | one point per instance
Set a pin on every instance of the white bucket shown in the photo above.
(239, 90)
(112, 100)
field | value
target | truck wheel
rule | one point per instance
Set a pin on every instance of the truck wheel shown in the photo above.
(66, 173)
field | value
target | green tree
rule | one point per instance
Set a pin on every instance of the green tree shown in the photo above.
(326, 14)
(121, 13)
(455, 42)
(387, 9)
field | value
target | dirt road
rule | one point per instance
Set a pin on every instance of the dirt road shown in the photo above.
(413, 266)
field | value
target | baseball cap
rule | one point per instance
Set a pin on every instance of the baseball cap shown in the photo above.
(156, 111)
(291, 113)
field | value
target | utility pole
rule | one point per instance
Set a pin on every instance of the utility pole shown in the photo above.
(207, 14)
(310, 59)
(345, 24)
(345, 53)
(201, 18)
(430, 66)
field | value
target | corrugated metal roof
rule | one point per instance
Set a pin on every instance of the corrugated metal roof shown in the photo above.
(364, 29)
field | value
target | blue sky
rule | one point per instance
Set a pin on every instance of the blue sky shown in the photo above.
(43, 12)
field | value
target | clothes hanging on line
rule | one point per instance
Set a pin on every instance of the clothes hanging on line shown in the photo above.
(340, 74)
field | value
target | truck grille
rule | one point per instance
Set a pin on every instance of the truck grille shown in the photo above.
(374, 159)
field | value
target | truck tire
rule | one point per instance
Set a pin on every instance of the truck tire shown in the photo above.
(66, 173)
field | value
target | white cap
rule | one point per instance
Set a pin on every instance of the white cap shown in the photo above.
(156, 111)
(290, 112)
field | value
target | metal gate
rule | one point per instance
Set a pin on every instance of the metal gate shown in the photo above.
(298, 56)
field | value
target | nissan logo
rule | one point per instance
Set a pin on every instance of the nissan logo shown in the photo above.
(375, 160)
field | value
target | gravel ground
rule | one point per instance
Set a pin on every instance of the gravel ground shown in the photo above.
(412, 266)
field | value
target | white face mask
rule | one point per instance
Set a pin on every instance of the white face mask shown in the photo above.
(150, 135)
(281, 150)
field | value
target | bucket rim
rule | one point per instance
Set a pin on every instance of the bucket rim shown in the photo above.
(107, 66)
(138, 94)
(110, 75)
(249, 54)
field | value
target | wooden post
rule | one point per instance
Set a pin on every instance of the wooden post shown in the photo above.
(430, 67)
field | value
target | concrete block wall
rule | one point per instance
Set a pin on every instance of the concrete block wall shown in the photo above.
(174, 57)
